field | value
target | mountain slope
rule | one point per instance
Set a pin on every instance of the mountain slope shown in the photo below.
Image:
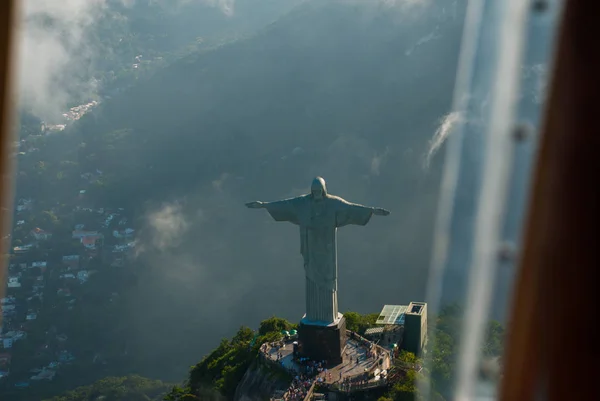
(325, 72)
(348, 90)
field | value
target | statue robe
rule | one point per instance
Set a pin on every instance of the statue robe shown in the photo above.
(318, 221)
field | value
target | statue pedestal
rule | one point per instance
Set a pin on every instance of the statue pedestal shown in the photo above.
(323, 341)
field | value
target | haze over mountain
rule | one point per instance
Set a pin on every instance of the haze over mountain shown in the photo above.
(208, 104)
(352, 91)
(67, 58)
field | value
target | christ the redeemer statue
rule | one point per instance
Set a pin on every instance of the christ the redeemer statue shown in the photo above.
(319, 215)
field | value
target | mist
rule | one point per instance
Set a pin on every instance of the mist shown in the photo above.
(205, 263)
(55, 53)
(60, 52)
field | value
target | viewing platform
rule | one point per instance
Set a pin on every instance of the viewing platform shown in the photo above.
(364, 366)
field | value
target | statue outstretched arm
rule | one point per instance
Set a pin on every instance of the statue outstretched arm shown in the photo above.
(255, 205)
(355, 214)
(283, 210)
(379, 211)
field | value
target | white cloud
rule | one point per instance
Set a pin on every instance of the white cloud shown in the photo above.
(57, 47)
(167, 226)
(378, 160)
(447, 124)
(54, 53)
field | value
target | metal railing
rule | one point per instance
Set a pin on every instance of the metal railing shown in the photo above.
(310, 391)
(349, 387)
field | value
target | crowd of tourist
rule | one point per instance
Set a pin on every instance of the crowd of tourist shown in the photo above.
(357, 382)
(299, 388)
(306, 371)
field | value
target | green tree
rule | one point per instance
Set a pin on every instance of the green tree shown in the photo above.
(446, 338)
(128, 388)
(406, 388)
(48, 219)
(244, 334)
(360, 323)
(273, 324)
(407, 357)
(494, 339)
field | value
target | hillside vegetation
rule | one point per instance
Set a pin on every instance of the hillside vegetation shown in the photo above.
(129, 388)
(349, 90)
(220, 371)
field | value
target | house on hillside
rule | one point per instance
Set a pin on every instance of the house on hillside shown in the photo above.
(46, 374)
(41, 235)
(13, 282)
(5, 360)
(108, 221)
(9, 338)
(83, 276)
(11, 299)
(71, 262)
(90, 241)
(41, 264)
(22, 249)
(78, 234)
(127, 233)
(88, 238)
(120, 248)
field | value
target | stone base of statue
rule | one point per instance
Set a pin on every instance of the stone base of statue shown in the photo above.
(323, 342)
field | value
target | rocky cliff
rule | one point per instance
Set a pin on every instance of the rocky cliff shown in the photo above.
(259, 382)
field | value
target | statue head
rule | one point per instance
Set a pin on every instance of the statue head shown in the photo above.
(318, 190)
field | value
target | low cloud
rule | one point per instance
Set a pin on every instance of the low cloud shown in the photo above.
(55, 54)
(378, 160)
(447, 125)
(57, 49)
(167, 226)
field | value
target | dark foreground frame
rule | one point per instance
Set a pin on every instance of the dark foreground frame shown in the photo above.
(552, 345)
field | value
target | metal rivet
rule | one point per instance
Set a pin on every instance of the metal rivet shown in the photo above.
(540, 5)
(522, 131)
(507, 252)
